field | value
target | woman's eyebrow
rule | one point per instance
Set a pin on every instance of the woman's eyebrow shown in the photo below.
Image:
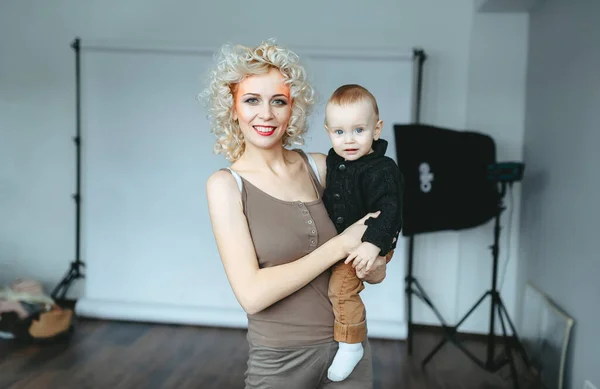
(258, 95)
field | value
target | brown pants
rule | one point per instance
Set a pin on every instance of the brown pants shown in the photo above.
(350, 324)
(303, 368)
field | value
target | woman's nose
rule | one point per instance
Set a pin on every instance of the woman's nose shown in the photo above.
(266, 112)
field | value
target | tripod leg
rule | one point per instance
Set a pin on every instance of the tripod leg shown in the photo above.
(507, 346)
(450, 333)
(519, 345)
(74, 273)
(425, 297)
(61, 289)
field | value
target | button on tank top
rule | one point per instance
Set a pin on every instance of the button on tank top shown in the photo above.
(282, 232)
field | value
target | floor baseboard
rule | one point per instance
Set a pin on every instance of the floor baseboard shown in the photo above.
(463, 336)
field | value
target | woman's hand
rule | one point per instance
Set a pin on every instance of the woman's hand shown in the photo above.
(351, 237)
(377, 272)
(368, 216)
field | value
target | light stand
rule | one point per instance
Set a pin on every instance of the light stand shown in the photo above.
(74, 272)
(502, 174)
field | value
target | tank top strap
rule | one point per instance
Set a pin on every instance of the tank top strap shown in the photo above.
(314, 171)
(237, 177)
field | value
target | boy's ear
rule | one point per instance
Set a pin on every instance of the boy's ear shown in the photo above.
(378, 128)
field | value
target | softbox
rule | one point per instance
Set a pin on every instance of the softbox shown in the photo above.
(445, 173)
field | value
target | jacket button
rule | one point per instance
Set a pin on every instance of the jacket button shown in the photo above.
(339, 220)
(336, 196)
(342, 167)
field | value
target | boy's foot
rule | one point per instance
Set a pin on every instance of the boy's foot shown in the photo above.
(345, 360)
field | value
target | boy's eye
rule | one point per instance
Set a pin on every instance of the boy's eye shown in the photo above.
(359, 130)
(339, 132)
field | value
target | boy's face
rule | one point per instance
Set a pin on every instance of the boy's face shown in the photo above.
(352, 128)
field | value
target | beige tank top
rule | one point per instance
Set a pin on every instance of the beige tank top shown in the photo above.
(282, 232)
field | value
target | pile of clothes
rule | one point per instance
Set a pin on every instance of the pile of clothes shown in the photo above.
(26, 312)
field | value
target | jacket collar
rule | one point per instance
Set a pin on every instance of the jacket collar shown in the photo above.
(379, 148)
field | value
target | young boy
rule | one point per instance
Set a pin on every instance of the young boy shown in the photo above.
(360, 179)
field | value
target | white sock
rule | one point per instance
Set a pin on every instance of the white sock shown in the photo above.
(345, 360)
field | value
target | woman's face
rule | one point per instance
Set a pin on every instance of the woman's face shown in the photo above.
(263, 108)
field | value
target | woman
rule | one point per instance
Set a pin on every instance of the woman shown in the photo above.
(272, 231)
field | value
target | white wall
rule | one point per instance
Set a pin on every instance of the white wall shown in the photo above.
(496, 104)
(560, 199)
(464, 87)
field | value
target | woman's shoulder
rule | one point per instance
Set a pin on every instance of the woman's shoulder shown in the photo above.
(222, 182)
(220, 176)
(319, 158)
(321, 162)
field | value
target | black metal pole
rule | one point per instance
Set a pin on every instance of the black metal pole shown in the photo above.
(409, 291)
(77, 139)
(494, 300)
(74, 272)
(420, 55)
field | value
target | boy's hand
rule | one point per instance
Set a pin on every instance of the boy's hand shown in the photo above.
(363, 256)
(376, 274)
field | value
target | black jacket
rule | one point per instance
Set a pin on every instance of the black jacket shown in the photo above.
(369, 184)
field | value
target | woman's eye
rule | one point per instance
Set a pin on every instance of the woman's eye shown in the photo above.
(252, 100)
(280, 102)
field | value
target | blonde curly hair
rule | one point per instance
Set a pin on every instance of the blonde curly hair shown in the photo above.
(233, 64)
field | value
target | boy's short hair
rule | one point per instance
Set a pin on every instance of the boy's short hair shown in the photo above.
(352, 93)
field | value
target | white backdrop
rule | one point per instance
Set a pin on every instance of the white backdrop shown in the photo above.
(147, 153)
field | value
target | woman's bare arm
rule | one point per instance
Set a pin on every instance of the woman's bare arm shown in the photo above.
(256, 288)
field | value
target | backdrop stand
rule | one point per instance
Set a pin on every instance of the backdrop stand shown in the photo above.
(74, 272)
(410, 281)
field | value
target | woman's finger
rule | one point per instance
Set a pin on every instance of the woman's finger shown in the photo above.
(350, 258)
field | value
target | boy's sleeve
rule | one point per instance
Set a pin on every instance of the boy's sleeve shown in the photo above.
(383, 191)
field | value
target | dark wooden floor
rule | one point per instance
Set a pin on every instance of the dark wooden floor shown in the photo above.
(119, 355)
